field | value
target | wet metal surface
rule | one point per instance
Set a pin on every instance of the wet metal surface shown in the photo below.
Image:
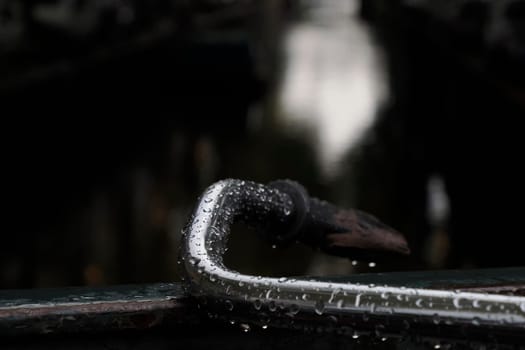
(293, 301)
(92, 309)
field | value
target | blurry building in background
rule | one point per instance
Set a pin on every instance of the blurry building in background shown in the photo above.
(117, 114)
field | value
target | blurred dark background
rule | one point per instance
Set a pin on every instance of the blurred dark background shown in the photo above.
(118, 113)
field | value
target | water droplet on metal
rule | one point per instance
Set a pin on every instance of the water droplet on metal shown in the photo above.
(282, 279)
(457, 303)
(333, 319)
(371, 264)
(268, 294)
(294, 309)
(271, 306)
(334, 293)
(358, 300)
(319, 307)
(194, 261)
(355, 336)
(373, 308)
(522, 307)
(245, 327)
(354, 262)
(406, 324)
(304, 297)
(340, 303)
(383, 339)
(264, 326)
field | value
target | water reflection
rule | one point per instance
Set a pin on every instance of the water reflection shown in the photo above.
(334, 79)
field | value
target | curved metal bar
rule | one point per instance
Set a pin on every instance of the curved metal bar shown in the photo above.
(231, 200)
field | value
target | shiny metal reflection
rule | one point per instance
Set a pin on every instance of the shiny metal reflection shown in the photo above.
(298, 299)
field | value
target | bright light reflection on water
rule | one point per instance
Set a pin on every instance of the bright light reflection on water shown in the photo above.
(334, 79)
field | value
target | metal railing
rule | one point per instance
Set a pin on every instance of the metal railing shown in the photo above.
(307, 303)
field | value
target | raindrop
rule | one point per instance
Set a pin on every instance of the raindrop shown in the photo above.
(371, 264)
(334, 293)
(378, 330)
(457, 303)
(245, 327)
(385, 295)
(383, 339)
(241, 283)
(208, 199)
(436, 319)
(354, 262)
(475, 321)
(274, 246)
(304, 297)
(406, 324)
(419, 302)
(264, 326)
(319, 307)
(206, 210)
(522, 307)
(340, 303)
(476, 304)
(257, 304)
(229, 305)
(355, 336)
(232, 321)
(357, 300)
(333, 320)
(269, 294)
(437, 346)
(282, 279)
(213, 278)
(271, 306)
(294, 309)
